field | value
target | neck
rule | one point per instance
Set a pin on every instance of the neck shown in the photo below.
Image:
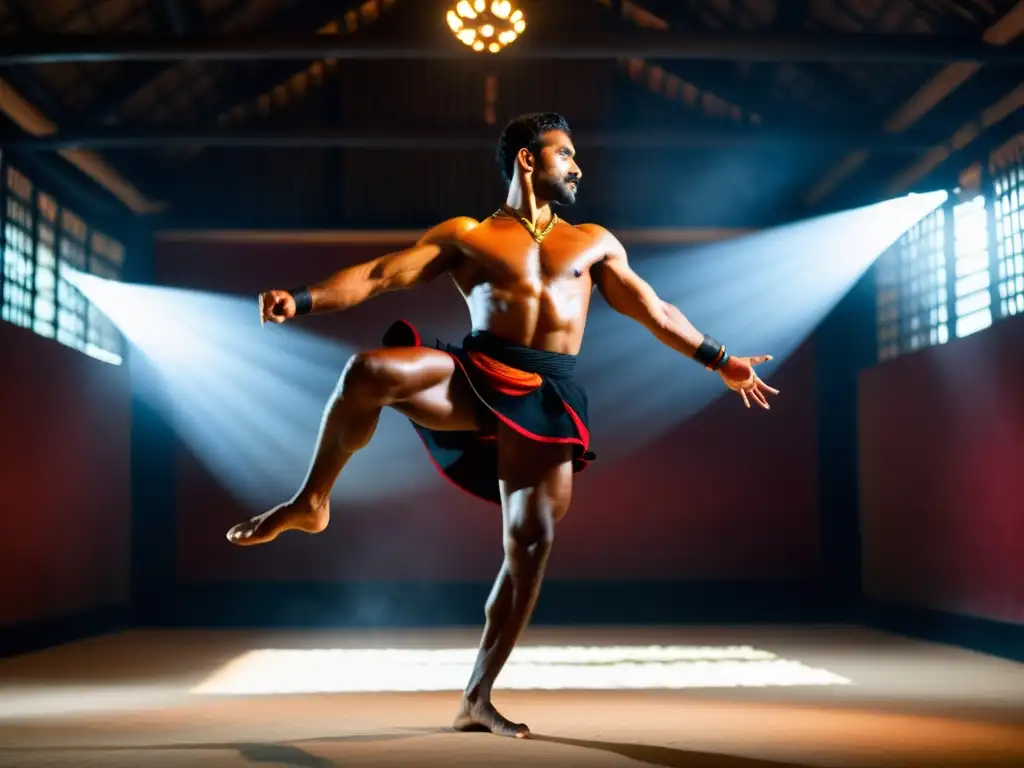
(524, 202)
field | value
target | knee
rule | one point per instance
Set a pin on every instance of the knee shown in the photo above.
(369, 376)
(532, 535)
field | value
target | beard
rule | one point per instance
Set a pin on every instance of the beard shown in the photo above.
(558, 191)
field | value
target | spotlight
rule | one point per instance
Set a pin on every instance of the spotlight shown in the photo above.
(499, 22)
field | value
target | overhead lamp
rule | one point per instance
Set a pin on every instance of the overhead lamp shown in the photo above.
(485, 26)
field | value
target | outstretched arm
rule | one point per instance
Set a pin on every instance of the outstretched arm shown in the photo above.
(434, 254)
(629, 294)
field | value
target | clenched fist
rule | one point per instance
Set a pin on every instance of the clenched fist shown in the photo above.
(277, 306)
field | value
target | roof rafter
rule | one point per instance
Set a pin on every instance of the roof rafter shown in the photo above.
(1002, 33)
(546, 44)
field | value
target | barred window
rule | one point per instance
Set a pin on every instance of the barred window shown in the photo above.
(972, 287)
(1009, 235)
(106, 258)
(41, 242)
(19, 250)
(72, 306)
(44, 308)
(911, 285)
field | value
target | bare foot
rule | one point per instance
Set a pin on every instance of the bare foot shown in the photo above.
(482, 716)
(293, 516)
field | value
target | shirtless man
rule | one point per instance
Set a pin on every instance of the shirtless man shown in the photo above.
(501, 416)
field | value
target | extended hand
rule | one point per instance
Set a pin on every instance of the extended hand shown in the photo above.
(739, 375)
(276, 306)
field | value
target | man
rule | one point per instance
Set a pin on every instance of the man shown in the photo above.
(501, 416)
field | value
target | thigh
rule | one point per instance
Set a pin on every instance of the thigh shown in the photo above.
(427, 386)
(536, 483)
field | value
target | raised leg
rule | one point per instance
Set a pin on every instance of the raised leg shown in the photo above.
(424, 384)
(536, 490)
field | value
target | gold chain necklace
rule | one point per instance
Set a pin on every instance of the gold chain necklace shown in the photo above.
(538, 236)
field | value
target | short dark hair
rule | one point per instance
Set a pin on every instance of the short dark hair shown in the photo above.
(525, 131)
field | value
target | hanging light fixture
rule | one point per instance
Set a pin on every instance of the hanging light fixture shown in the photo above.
(486, 26)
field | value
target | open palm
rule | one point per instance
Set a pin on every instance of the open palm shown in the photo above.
(739, 375)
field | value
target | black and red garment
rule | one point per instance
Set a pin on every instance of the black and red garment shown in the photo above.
(530, 390)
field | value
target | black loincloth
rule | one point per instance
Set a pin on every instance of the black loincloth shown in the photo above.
(530, 390)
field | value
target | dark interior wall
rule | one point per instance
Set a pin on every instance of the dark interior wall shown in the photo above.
(942, 486)
(64, 480)
(727, 495)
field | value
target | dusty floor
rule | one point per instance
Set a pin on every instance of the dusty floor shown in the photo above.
(130, 700)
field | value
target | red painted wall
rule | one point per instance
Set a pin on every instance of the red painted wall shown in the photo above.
(942, 476)
(64, 480)
(728, 494)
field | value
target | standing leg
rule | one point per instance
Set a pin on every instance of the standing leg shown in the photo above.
(536, 489)
(422, 383)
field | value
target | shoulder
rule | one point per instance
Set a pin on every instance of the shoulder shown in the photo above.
(448, 232)
(609, 242)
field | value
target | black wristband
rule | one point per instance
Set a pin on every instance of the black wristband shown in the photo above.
(303, 300)
(710, 353)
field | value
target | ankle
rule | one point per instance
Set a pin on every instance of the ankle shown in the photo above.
(477, 695)
(314, 507)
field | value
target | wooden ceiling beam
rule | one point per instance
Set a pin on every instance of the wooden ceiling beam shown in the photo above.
(592, 44)
(1003, 33)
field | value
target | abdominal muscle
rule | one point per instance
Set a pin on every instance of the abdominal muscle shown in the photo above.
(550, 317)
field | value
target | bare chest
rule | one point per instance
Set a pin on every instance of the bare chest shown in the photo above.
(504, 254)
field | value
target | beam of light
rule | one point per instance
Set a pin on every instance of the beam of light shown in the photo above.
(337, 670)
(762, 293)
(248, 400)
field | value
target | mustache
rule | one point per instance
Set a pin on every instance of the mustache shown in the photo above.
(572, 178)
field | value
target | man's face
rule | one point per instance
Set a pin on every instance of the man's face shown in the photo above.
(555, 175)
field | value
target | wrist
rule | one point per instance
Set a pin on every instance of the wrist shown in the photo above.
(303, 300)
(711, 354)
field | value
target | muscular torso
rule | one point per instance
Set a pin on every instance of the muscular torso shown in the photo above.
(532, 294)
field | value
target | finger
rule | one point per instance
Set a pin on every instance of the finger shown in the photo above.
(758, 359)
(759, 397)
(765, 388)
(743, 394)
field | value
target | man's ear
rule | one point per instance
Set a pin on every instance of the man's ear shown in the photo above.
(525, 159)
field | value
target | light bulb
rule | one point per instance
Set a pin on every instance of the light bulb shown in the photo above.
(486, 25)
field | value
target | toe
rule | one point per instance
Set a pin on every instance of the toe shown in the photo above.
(239, 533)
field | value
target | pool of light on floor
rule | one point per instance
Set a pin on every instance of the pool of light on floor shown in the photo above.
(351, 670)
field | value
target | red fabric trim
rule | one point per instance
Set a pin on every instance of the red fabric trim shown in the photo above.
(511, 391)
(584, 432)
(415, 333)
(525, 432)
